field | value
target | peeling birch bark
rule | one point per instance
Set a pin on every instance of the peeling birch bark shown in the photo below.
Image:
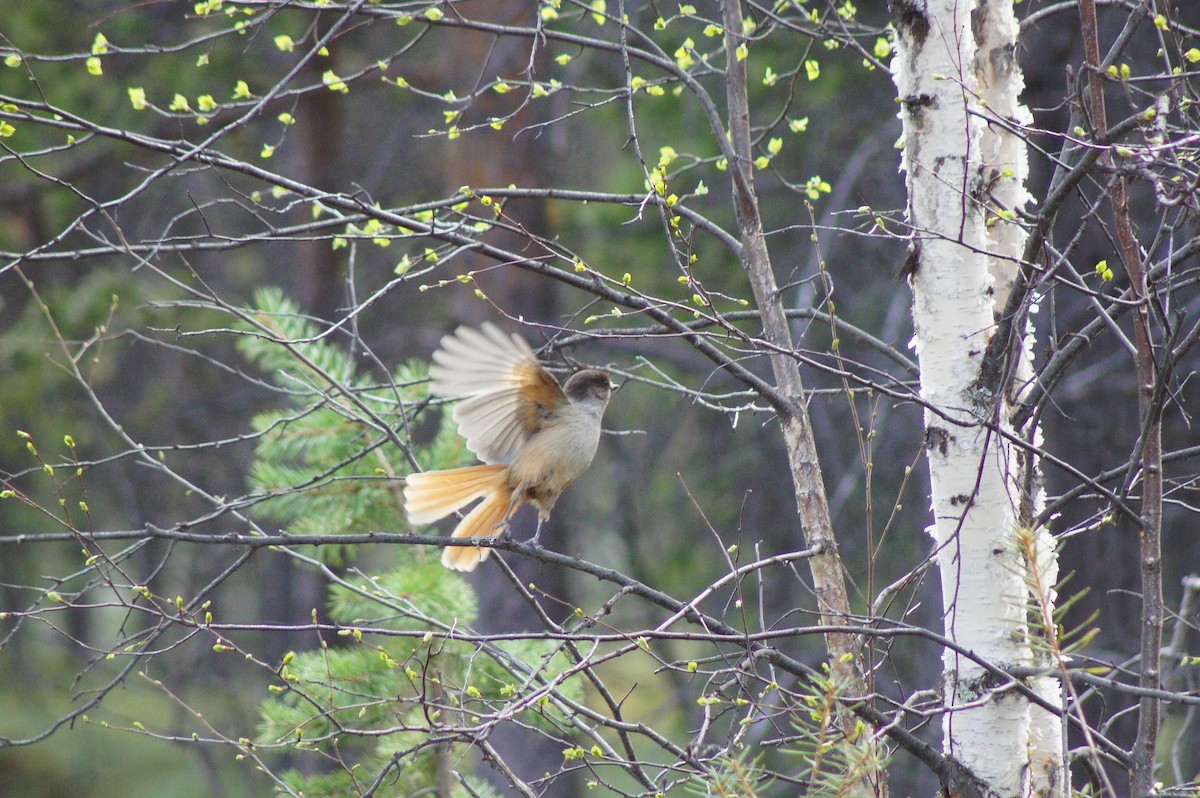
(959, 85)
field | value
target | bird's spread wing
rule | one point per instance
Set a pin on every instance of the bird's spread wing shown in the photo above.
(506, 391)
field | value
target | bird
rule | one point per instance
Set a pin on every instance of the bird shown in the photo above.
(533, 436)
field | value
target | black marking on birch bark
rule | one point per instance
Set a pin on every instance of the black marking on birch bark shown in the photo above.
(909, 17)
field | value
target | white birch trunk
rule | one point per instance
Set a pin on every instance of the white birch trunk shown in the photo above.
(1004, 153)
(954, 69)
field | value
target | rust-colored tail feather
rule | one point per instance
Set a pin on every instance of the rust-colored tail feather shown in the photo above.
(483, 521)
(435, 494)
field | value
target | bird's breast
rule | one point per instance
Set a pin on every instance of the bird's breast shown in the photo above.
(558, 453)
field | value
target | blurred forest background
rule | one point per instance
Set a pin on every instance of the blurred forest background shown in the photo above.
(133, 318)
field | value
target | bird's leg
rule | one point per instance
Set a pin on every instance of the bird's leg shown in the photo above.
(537, 532)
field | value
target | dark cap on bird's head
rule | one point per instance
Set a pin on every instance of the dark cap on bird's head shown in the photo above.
(589, 384)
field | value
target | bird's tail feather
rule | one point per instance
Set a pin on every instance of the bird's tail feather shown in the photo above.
(483, 521)
(435, 494)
